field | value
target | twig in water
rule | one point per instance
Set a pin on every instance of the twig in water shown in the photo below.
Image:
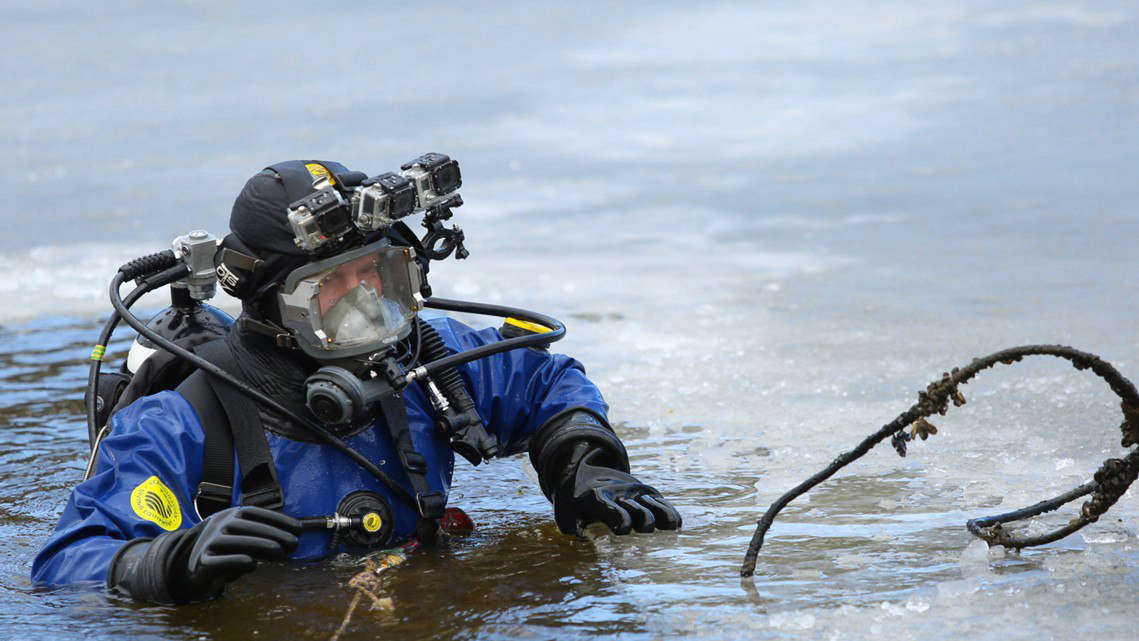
(1110, 481)
(367, 583)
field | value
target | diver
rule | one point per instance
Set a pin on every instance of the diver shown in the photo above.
(365, 403)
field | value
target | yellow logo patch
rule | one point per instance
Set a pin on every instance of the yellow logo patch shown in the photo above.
(154, 501)
(318, 173)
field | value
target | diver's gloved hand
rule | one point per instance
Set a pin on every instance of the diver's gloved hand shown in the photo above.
(195, 564)
(592, 493)
(229, 544)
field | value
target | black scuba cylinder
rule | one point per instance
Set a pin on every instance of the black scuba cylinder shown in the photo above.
(147, 281)
(147, 368)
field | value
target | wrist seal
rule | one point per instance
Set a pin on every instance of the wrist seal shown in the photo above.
(144, 568)
(552, 446)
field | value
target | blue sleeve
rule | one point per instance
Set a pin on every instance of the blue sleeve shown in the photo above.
(517, 391)
(146, 469)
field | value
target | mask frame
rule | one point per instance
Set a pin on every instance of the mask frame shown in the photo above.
(296, 293)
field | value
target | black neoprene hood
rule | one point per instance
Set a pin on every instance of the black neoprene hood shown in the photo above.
(260, 225)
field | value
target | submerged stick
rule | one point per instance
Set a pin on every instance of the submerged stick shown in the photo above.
(347, 617)
(367, 583)
(1111, 480)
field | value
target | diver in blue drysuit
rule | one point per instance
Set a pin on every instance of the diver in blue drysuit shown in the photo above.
(133, 524)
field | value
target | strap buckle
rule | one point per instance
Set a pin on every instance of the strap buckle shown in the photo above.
(215, 495)
(415, 462)
(280, 335)
(430, 504)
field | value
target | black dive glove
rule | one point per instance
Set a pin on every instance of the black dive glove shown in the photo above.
(591, 493)
(584, 470)
(195, 564)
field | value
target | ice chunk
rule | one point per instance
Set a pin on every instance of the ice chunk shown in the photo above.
(791, 620)
(975, 558)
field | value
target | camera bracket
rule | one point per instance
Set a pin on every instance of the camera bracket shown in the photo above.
(440, 241)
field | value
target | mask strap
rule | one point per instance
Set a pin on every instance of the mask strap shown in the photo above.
(281, 336)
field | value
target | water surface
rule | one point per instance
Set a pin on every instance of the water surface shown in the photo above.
(766, 227)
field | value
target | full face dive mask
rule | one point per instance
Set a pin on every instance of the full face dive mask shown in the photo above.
(358, 302)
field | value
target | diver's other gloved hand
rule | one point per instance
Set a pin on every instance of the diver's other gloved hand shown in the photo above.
(229, 544)
(195, 564)
(593, 493)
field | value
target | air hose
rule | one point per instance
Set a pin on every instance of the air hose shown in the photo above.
(458, 417)
(556, 333)
(1109, 483)
(138, 268)
(448, 378)
(148, 264)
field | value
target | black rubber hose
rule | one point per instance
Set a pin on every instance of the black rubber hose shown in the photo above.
(447, 378)
(148, 264)
(321, 522)
(557, 332)
(147, 285)
(213, 370)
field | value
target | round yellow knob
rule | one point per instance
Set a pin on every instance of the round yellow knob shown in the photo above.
(372, 522)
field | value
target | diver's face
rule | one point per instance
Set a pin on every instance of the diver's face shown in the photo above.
(345, 278)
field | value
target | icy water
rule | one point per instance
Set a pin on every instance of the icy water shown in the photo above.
(766, 228)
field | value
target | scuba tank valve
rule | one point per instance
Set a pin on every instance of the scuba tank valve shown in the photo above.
(196, 249)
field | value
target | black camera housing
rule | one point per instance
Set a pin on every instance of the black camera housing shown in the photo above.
(330, 213)
(400, 191)
(320, 219)
(444, 172)
(352, 203)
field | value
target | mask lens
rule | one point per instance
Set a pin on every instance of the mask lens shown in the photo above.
(349, 280)
(361, 304)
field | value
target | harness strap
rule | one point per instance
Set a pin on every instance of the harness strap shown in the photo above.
(280, 335)
(215, 491)
(428, 502)
(259, 484)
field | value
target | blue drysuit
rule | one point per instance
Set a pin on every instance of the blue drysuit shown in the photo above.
(157, 442)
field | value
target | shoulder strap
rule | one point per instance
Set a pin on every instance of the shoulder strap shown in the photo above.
(428, 501)
(259, 484)
(215, 492)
